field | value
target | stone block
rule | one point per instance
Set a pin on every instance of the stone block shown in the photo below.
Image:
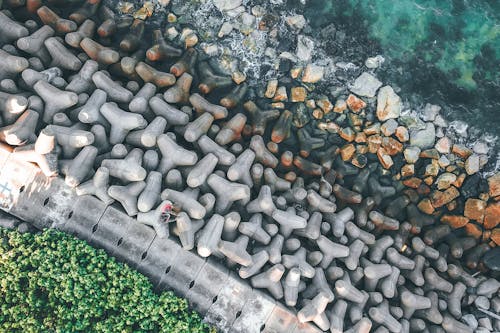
(230, 301)
(255, 312)
(211, 279)
(86, 213)
(159, 258)
(111, 229)
(280, 320)
(135, 243)
(184, 271)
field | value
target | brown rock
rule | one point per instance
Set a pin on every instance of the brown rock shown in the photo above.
(313, 73)
(355, 103)
(384, 158)
(360, 137)
(451, 206)
(423, 189)
(340, 106)
(443, 145)
(432, 169)
(317, 114)
(455, 221)
(374, 142)
(494, 184)
(347, 152)
(359, 161)
(430, 153)
(311, 103)
(441, 198)
(299, 94)
(402, 134)
(278, 105)
(325, 105)
(413, 182)
(495, 236)
(281, 95)
(295, 72)
(473, 230)
(474, 209)
(361, 149)
(492, 215)
(372, 129)
(461, 151)
(426, 206)
(347, 134)
(408, 170)
(445, 180)
(460, 180)
(392, 146)
(272, 85)
(429, 180)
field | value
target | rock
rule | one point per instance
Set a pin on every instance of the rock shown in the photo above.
(472, 165)
(225, 5)
(439, 198)
(365, 85)
(426, 206)
(491, 259)
(480, 148)
(374, 62)
(305, 46)
(474, 209)
(440, 121)
(225, 29)
(299, 94)
(492, 216)
(408, 170)
(470, 187)
(445, 180)
(272, 85)
(411, 154)
(297, 21)
(423, 138)
(412, 122)
(389, 127)
(347, 152)
(355, 103)
(347, 134)
(443, 161)
(280, 95)
(341, 105)
(443, 145)
(388, 104)
(384, 158)
(432, 169)
(430, 112)
(461, 151)
(495, 236)
(325, 105)
(413, 182)
(494, 184)
(402, 134)
(455, 221)
(459, 127)
(313, 73)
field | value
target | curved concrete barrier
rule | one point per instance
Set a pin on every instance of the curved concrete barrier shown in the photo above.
(225, 300)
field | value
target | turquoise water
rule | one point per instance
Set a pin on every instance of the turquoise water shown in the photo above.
(447, 51)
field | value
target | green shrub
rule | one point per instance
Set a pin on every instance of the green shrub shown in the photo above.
(51, 282)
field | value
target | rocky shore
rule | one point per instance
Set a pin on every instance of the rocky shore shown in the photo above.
(340, 202)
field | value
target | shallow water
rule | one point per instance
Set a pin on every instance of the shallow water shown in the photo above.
(446, 51)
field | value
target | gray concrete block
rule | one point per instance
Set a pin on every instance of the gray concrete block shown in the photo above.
(111, 229)
(161, 254)
(211, 279)
(254, 314)
(44, 202)
(183, 273)
(229, 304)
(136, 241)
(86, 213)
(280, 320)
(306, 328)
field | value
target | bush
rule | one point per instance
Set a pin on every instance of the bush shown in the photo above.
(51, 282)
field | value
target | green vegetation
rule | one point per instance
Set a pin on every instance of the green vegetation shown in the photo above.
(51, 282)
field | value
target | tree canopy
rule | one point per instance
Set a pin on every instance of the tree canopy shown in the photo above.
(52, 282)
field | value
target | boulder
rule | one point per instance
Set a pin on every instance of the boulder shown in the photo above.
(423, 138)
(388, 104)
(366, 85)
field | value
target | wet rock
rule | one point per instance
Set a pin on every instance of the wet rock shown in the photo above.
(472, 164)
(445, 180)
(474, 209)
(411, 154)
(470, 186)
(430, 112)
(494, 184)
(439, 198)
(455, 221)
(492, 215)
(443, 145)
(354, 103)
(374, 62)
(226, 5)
(388, 104)
(402, 134)
(313, 73)
(297, 21)
(423, 138)
(366, 85)
(305, 46)
(492, 259)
